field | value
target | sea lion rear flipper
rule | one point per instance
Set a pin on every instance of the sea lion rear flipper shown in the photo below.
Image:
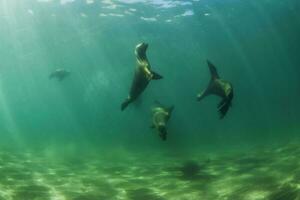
(156, 76)
(222, 103)
(60, 78)
(213, 70)
(125, 104)
(223, 107)
(170, 109)
(158, 103)
(163, 134)
(202, 95)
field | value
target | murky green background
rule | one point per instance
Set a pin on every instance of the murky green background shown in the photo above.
(254, 44)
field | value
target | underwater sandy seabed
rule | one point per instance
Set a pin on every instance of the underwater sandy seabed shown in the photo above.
(265, 174)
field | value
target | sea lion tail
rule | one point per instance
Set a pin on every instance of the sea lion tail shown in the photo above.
(125, 104)
(156, 76)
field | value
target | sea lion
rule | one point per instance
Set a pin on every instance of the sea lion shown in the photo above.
(60, 74)
(219, 87)
(142, 75)
(160, 117)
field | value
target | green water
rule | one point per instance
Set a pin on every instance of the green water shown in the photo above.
(69, 140)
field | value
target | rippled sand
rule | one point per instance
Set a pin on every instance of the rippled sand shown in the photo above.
(270, 174)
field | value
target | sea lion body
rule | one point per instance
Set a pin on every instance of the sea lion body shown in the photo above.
(59, 74)
(142, 75)
(219, 87)
(139, 83)
(160, 118)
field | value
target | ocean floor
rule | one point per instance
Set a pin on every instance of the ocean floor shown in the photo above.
(268, 174)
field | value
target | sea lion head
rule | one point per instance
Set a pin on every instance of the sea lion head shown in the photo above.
(140, 50)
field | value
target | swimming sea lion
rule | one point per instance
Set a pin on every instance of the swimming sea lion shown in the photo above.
(160, 117)
(60, 74)
(142, 76)
(219, 87)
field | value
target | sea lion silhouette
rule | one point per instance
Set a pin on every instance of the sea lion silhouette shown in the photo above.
(59, 74)
(219, 87)
(142, 75)
(160, 117)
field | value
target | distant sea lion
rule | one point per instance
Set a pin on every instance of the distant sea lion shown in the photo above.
(59, 74)
(160, 117)
(219, 87)
(142, 76)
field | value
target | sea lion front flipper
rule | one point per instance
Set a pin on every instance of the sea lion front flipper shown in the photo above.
(213, 70)
(156, 76)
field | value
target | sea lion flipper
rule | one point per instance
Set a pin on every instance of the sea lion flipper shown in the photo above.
(224, 108)
(213, 70)
(202, 95)
(125, 103)
(156, 76)
(170, 109)
(222, 103)
(158, 103)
